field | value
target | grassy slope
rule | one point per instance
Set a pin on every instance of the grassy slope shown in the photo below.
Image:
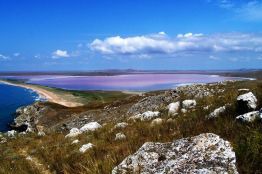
(57, 152)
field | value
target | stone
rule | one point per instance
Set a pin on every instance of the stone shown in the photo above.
(150, 103)
(73, 132)
(120, 136)
(183, 110)
(205, 153)
(92, 126)
(121, 125)
(75, 142)
(246, 102)
(85, 147)
(216, 112)
(250, 116)
(41, 133)
(173, 108)
(11, 133)
(146, 116)
(189, 104)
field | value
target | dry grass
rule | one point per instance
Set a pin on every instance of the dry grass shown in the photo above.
(56, 153)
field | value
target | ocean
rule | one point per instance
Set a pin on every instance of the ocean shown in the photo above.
(12, 97)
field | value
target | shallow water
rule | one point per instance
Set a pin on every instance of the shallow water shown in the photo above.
(133, 82)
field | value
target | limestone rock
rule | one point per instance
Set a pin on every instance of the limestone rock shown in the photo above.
(216, 112)
(11, 133)
(173, 108)
(73, 132)
(120, 136)
(246, 102)
(121, 125)
(148, 115)
(92, 126)
(152, 103)
(75, 142)
(189, 104)
(85, 147)
(250, 116)
(205, 153)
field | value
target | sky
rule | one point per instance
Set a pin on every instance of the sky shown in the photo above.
(84, 35)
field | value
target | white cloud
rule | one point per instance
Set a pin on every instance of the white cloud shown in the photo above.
(183, 43)
(3, 57)
(60, 54)
(251, 11)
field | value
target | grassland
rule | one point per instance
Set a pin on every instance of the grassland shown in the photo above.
(55, 153)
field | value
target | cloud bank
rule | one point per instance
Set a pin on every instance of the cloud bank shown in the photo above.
(183, 43)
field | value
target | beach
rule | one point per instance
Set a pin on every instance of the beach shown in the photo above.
(47, 94)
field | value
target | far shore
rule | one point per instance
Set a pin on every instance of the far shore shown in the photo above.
(46, 94)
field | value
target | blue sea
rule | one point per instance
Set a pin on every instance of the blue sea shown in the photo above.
(12, 97)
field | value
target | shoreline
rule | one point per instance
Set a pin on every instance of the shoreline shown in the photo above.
(45, 94)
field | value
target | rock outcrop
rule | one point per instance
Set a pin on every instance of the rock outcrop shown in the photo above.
(153, 103)
(85, 147)
(120, 136)
(250, 116)
(189, 104)
(121, 125)
(148, 115)
(173, 108)
(205, 153)
(216, 112)
(27, 117)
(246, 102)
(92, 126)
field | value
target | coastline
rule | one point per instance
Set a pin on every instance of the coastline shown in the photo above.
(46, 94)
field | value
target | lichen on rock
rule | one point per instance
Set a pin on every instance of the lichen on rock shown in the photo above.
(205, 153)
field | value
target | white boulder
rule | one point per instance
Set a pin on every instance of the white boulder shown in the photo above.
(92, 126)
(216, 112)
(189, 104)
(173, 108)
(41, 133)
(73, 132)
(183, 110)
(148, 115)
(250, 116)
(247, 101)
(85, 147)
(205, 153)
(121, 125)
(11, 133)
(120, 136)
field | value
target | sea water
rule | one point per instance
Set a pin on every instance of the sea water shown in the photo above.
(11, 98)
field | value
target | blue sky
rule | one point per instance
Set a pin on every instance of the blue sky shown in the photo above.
(48, 35)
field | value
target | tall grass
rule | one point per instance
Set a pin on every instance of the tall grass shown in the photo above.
(59, 155)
